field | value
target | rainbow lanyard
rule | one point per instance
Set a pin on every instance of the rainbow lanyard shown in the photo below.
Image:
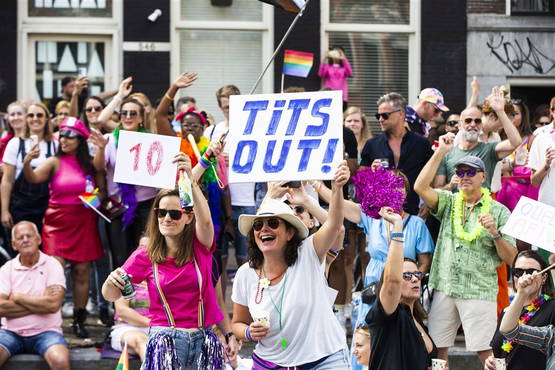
(167, 311)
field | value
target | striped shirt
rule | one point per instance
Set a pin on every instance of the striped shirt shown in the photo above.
(540, 338)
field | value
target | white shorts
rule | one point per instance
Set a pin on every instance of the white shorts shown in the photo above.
(119, 330)
(478, 318)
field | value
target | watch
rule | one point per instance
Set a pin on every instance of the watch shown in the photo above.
(227, 336)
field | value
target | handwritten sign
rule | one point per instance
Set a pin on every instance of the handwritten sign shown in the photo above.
(146, 159)
(275, 137)
(532, 222)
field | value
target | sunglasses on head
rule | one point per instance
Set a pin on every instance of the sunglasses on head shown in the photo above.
(129, 113)
(452, 123)
(175, 214)
(272, 222)
(476, 120)
(98, 108)
(33, 115)
(417, 274)
(471, 172)
(518, 272)
(385, 115)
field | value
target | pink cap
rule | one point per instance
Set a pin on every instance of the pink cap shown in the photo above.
(74, 127)
(433, 96)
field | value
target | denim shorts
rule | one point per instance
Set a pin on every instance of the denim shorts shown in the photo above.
(34, 344)
(240, 241)
(187, 343)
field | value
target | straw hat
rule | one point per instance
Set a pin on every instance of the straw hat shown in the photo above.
(273, 208)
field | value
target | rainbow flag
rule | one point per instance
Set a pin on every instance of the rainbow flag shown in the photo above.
(293, 6)
(297, 63)
(91, 200)
(123, 363)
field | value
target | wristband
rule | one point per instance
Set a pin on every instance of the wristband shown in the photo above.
(168, 97)
(395, 235)
(204, 162)
(208, 158)
(397, 240)
(497, 237)
(332, 253)
(247, 334)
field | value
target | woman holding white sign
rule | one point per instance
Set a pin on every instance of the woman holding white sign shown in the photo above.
(280, 298)
(124, 231)
(70, 232)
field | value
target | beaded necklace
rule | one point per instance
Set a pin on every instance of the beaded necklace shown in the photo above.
(529, 312)
(458, 220)
(279, 310)
(264, 283)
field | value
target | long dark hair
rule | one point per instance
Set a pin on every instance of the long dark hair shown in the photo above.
(84, 115)
(83, 156)
(547, 288)
(525, 129)
(291, 253)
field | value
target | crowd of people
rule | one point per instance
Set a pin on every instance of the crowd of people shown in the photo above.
(426, 269)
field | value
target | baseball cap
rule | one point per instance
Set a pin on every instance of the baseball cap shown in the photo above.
(471, 161)
(72, 127)
(433, 96)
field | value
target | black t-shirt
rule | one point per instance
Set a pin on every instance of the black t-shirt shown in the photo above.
(522, 357)
(350, 143)
(415, 152)
(396, 342)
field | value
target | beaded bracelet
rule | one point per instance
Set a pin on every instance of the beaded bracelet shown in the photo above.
(332, 253)
(247, 334)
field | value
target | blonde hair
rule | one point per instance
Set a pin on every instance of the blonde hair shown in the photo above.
(363, 330)
(509, 108)
(365, 133)
(47, 132)
(149, 119)
(61, 105)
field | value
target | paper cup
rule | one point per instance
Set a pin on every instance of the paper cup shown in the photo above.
(261, 317)
(438, 364)
(500, 364)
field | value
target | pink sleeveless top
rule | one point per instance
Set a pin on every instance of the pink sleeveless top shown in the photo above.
(68, 182)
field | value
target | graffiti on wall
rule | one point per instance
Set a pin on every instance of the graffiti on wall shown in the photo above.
(515, 55)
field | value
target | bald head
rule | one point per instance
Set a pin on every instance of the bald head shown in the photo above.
(471, 112)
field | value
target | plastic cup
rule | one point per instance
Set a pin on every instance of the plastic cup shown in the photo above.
(261, 317)
(500, 364)
(438, 364)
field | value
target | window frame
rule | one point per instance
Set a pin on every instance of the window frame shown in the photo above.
(509, 10)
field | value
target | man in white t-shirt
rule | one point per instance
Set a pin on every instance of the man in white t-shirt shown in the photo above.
(551, 126)
(242, 195)
(541, 162)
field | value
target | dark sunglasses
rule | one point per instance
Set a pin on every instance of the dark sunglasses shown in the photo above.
(129, 113)
(471, 172)
(33, 115)
(298, 209)
(175, 214)
(98, 108)
(436, 109)
(385, 115)
(476, 120)
(417, 274)
(452, 123)
(519, 272)
(272, 222)
(543, 123)
(552, 107)
(68, 134)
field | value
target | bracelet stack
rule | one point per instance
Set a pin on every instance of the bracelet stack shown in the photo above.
(247, 334)
(398, 237)
(205, 160)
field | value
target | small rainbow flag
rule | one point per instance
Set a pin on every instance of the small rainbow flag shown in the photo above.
(123, 363)
(91, 199)
(293, 6)
(297, 63)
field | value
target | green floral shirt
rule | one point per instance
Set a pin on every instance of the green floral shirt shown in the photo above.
(464, 269)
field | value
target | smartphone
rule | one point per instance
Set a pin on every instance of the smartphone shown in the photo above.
(292, 184)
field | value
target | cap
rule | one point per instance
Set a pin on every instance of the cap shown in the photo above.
(471, 161)
(433, 96)
(72, 127)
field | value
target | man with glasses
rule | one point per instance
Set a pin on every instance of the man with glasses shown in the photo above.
(429, 105)
(399, 147)
(469, 249)
(548, 127)
(470, 128)
(452, 124)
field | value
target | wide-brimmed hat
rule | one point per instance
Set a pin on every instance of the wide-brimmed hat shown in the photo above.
(273, 208)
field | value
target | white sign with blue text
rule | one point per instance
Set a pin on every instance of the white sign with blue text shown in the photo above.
(277, 137)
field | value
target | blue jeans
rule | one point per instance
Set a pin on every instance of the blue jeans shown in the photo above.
(338, 361)
(187, 343)
(240, 242)
(38, 344)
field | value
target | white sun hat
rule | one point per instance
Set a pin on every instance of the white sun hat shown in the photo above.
(273, 208)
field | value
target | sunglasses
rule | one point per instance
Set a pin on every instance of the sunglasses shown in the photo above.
(175, 214)
(68, 134)
(385, 115)
(272, 222)
(298, 209)
(63, 114)
(476, 120)
(543, 123)
(436, 109)
(98, 108)
(129, 113)
(518, 272)
(417, 274)
(552, 107)
(471, 172)
(452, 123)
(33, 115)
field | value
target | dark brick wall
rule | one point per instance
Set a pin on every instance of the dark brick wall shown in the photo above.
(304, 37)
(150, 71)
(8, 44)
(484, 6)
(443, 50)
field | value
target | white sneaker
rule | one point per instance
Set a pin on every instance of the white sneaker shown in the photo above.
(92, 308)
(67, 309)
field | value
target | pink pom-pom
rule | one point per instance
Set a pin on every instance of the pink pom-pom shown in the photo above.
(377, 189)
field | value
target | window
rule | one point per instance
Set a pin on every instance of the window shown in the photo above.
(530, 7)
(240, 10)
(70, 8)
(370, 11)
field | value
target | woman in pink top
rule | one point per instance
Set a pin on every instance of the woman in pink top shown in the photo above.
(181, 243)
(334, 71)
(70, 232)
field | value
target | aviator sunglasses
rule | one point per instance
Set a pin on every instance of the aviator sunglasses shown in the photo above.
(175, 214)
(476, 120)
(272, 222)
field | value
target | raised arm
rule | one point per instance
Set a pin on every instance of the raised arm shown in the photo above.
(390, 293)
(475, 93)
(80, 84)
(49, 302)
(124, 90)
(327, 234)
(351, 209)
(162, 124)
(43, 172)
(537, 176)
(423, 184)
(505, 147)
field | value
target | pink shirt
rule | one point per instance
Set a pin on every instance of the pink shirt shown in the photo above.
(68, 182)
(34, 280)
(335, 77)
(180, 287)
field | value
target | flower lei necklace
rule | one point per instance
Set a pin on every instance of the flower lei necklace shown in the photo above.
(458, 220)
(264, 283)
(529, 312)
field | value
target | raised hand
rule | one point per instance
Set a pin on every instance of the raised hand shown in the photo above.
(185, 80)
(389, 215)
(98, 139)
(80, 84)
(276, 190)
(475, 84)
(529, 284)
(125, 87)
(183, 163)
(497, 100)
(446, 142)
(342, 174)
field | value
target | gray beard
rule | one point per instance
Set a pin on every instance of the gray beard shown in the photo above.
(472, 138)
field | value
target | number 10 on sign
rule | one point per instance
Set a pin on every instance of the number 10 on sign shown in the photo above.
(146, 159)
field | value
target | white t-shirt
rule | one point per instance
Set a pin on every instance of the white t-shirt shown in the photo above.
(12, 156)
(308, 322)
(536, 161)
(242, 194)
(544, 129)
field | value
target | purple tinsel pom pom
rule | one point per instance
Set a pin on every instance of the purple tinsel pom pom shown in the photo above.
(161, 353)
(212, 355)
(377, 189)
